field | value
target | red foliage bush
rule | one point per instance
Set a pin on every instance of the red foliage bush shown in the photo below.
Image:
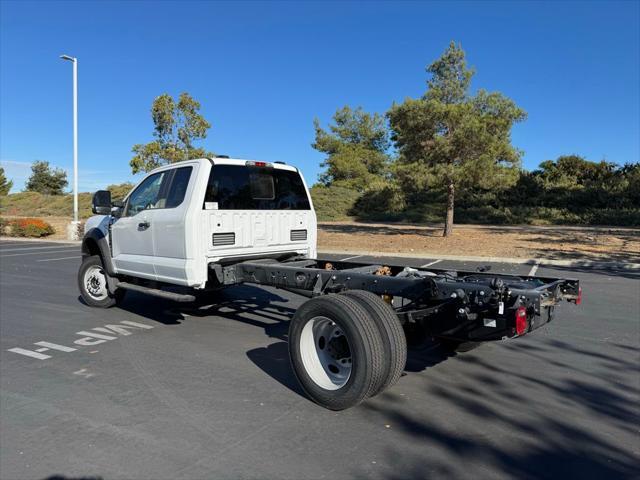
(26, 227)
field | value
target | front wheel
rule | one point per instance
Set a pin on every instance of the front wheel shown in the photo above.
(92, 282)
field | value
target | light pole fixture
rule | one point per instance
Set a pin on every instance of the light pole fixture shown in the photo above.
(74, 233)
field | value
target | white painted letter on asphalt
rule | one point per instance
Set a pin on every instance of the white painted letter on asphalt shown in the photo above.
(92, 338)
(55, 346)
(29, 353)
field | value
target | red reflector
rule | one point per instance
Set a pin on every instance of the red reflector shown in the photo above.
(579, 297)
(521, 320)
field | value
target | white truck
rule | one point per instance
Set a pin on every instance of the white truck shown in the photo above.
(197, 226)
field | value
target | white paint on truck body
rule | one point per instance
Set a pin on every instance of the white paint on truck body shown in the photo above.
(175, 245)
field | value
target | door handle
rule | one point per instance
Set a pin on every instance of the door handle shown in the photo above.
(143, 225)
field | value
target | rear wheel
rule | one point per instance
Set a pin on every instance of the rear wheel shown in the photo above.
(391, 333)
(92, 282)
(336, 351)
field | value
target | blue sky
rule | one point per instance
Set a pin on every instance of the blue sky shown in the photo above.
(264, 70)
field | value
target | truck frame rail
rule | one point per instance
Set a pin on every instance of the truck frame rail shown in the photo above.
(457, 305)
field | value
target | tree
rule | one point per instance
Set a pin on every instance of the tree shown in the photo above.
(5, 185)
(355, 145)
(46, 180)
(177, 125)
(572, 180)
(453, 138)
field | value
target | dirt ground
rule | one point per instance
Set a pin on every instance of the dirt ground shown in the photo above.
(555, 242)
(550, 242)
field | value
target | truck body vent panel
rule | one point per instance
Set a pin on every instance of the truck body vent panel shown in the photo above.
(220, 239)
(298, 235)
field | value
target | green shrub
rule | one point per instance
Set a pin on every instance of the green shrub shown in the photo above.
(380, 201)
(333, 203)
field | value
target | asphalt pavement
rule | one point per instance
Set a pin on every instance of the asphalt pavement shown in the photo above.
(160, 390)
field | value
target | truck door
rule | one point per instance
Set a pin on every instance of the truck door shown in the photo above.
(170, 232)
(132, 234)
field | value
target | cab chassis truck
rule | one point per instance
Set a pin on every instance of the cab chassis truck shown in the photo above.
(192, 228)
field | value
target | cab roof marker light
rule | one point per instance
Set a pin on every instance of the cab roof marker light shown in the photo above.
(251, 163)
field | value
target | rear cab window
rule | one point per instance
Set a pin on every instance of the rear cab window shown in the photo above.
(241, 187)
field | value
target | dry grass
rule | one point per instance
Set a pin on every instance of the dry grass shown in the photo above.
(580, 243)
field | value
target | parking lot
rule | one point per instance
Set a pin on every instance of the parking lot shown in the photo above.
(160, 390)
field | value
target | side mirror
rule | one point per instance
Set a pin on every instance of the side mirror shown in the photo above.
(117, 207)
(101, 203)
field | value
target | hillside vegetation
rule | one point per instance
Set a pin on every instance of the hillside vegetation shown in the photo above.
(570, 191)
(34, 204)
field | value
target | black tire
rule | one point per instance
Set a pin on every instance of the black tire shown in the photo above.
(364, 343)
(456, 346)
(103, 300)
(390, 330)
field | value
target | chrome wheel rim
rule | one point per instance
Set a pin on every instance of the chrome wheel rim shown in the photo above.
(95, 282)
(326, 354)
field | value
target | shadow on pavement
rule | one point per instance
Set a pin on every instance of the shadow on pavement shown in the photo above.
(274, 361)
(62, 477)
(547, 442)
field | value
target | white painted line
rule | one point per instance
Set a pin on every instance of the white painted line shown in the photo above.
(534, 269)
(55, 259)
(32, 253)
(36, 248)
(55, 346)
(29, 353)
(83, 372)
(429, 264)
(95, 335)
(349, 258)
(24, 244)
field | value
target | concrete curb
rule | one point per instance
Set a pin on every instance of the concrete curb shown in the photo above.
(22, 239)
(523, 261)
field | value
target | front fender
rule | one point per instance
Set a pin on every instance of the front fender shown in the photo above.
(95, 242)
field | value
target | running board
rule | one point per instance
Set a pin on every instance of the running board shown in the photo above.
(176, 297)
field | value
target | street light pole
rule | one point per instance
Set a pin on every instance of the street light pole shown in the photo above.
(74, 61)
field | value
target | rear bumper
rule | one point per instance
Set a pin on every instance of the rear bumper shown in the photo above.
(491, 326)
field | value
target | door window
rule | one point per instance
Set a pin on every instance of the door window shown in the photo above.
(147, 195)
(178, 187)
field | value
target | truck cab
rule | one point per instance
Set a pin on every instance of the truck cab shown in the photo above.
(182, 217)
